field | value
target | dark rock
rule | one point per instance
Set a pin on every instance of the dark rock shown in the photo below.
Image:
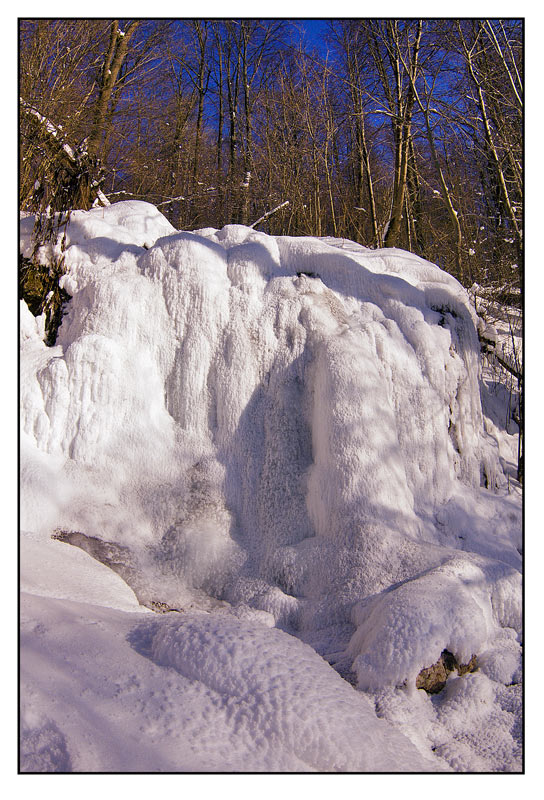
(39, 288)
(161, 608)
(433, 679)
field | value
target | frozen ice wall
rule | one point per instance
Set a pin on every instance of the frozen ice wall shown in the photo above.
(266, 420)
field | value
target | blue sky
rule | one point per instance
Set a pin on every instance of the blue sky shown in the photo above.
(315, 29)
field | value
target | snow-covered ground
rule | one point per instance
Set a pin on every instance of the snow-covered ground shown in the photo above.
(283, 440)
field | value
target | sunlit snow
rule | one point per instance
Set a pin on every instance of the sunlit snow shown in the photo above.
(282, 439)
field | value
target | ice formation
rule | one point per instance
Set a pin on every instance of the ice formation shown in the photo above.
(291, 425)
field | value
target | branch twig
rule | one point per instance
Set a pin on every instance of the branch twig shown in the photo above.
(269, 213)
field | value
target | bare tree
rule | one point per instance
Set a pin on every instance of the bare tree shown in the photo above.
(407, 134)
(501, 148)
(113, 61)
(394, 45)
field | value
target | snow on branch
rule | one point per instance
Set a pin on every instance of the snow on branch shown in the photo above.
(269, 213)
(81, 171)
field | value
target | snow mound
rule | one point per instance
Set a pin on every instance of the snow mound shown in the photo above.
(104, 690)
(461, 607)
(278, 687)
(77, 575)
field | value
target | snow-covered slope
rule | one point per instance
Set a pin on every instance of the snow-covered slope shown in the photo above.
(280, 425)
(201, 692)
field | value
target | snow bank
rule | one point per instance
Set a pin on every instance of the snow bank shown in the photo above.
(278, 686)
(474, 724)
(107, 691)
(291, 425)
(461, 607)
(53, 569)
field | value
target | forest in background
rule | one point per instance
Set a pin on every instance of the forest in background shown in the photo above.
(393, 132)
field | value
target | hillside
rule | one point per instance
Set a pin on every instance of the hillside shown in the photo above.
(280, 443)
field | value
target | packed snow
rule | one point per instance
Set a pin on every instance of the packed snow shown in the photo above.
(203, 692)
(288, 442)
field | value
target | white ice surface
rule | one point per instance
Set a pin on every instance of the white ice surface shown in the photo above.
(309, 448)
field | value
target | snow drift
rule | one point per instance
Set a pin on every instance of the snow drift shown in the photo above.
(200, 692)
(288, 424)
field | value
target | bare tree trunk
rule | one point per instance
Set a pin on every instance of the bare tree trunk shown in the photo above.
(232, 77)
(220, 123)
(444, 190)
(364, 173)
(115, 56)
(329, 188)
(403, 127)
(248, 146)
(489, 138)
(201, 88)
(377, 241)
(446, 196)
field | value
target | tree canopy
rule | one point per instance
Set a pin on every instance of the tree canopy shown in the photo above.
(403, 133)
